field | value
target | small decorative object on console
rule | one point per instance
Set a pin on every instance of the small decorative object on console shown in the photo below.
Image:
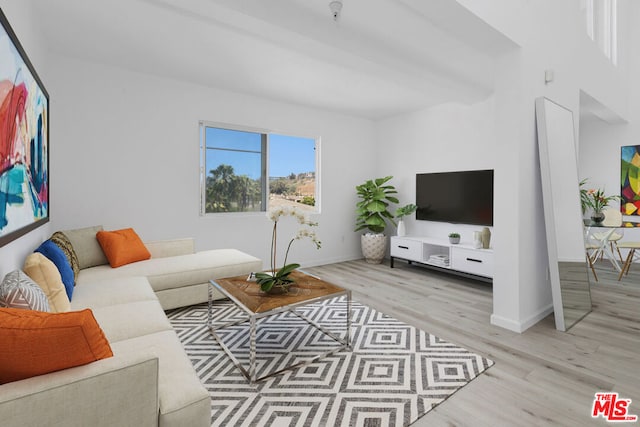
(454, 238)
(477, 239)
(486, 238)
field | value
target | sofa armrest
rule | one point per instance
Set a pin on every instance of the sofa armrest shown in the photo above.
(167, 248)
(120, 390)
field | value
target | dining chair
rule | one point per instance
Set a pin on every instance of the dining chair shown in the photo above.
(612, 218)
(632, 246)
(593, 250)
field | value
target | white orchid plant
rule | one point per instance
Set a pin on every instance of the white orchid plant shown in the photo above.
(280, 278)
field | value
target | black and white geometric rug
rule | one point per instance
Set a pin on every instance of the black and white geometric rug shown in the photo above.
(394, 374)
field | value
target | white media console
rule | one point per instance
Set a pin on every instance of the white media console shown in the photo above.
(438, 253)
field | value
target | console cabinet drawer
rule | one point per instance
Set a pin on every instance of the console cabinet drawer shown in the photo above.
(472, 261)
(406, 249)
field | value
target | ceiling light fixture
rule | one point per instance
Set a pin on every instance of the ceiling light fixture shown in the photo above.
(336, 8)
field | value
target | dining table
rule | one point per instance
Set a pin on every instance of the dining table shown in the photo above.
(599, 236)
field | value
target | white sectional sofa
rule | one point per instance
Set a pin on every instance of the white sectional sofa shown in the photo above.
(149, 381)
(178, 275)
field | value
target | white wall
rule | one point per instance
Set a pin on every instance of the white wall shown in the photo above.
(19, 14)
(600, 144)
(448, 137)
(600, 141)
(552, 36)
(125, 153)
(500, 134)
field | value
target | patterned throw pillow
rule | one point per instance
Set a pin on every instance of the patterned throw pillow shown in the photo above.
(17, 290)
(57, 257)
(61, 240)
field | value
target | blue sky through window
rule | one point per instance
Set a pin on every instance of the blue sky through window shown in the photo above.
(287, 154)
(291, 154)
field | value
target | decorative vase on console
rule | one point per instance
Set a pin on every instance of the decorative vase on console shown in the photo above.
(486, 238)
(401, 228)
(401, 212)
(477, 239)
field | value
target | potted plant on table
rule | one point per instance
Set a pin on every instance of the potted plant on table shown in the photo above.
(400, 214)
(373, 214)
(279, 281)
(597, 201)
(454, 238)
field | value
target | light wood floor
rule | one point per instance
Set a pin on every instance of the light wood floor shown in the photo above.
(541, 377)
(608, 275)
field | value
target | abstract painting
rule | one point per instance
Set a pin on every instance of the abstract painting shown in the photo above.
(630, 180)
(24, 141)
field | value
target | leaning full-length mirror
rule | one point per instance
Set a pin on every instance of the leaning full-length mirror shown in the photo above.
(562, 213)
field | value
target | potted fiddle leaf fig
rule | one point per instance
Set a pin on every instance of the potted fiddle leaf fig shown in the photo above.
(372, 214)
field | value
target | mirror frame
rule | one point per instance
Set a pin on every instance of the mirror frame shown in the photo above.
(568, 271)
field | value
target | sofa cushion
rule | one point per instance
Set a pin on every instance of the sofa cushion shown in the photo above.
(122, 247)
(62, 241)
(183, 399)
(46, 275)
(35, 343)
(86, 246)
(102, 293)
(172, 247)
(17, 290)
(180, 271)
(130, 320)
(56, 256)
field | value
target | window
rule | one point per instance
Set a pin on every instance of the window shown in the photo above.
(246, 170)
(601, 19)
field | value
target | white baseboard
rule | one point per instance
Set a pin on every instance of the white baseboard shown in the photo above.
(521, 326)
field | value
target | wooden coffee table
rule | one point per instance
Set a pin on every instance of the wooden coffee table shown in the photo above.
(248, 297)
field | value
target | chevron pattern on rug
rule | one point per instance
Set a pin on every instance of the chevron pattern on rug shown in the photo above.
(394, 375)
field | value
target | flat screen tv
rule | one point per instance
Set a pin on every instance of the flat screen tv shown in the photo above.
(464, 197)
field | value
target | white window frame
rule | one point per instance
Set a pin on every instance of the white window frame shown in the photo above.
(203, 124)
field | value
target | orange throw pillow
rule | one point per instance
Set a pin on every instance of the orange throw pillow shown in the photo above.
(122, 247)
(36, 343)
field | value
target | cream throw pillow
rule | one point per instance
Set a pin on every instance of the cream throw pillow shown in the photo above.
(86, 246)
(46, 275)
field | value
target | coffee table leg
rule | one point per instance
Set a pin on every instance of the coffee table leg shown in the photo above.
(348, 336)
(210, 308)
(252, 350)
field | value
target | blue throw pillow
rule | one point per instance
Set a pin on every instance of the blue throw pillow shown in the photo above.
(57, 257)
